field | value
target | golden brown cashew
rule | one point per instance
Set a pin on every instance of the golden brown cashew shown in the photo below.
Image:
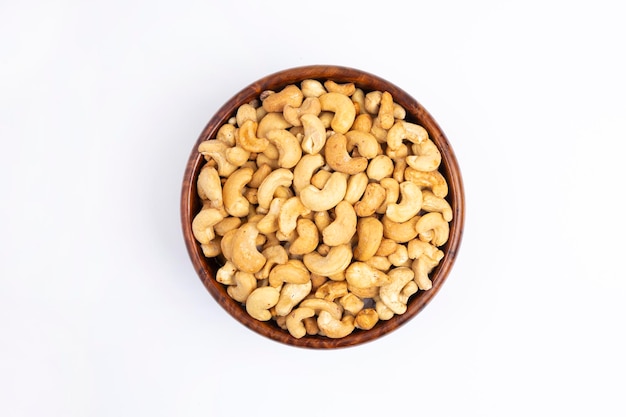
(385, 110)
(356, 187)
(337, 260)
(226, 224)
(433, 180)
(365, 142)
(351, 303)
(328, 197)
(370, 233)
(372, 101)
(304, 170)
(295, 319)
(341, 230)
(260, 301)
(310, 106)
(373, 197)
(400, 257)
(343, 108)
(427, 157)
(226, 274)
(244, 113)
(216, 149)
(314, 137)
(271, 121)
(210, 186)
(399, 232)
(409, 205)
(417, 248)
(308, 238)
(226, 134)
(203, 222)
(213, 248)
(334, 328)
(244, 284)
(269, 223)
(319, 305)
(289, 213)
(244, 254)
(402, 130)
(247, 137)
(366, 319)
(332, 290)
(421, 267)
(363, 123)
(433, 228)
(277, 178)
(289, 150)
(290, 295)
(361, 275)
(436, 204)
(293, 272)
(259, 175)
(290, 95)
(390, 293)
(312, 88)
(346, 89)
(237, 155)
(392, 193)
(339, 159)
(234, 202)
(380, 167)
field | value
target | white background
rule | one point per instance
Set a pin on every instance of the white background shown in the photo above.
(101, 312)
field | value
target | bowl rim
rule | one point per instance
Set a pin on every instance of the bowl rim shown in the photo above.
(368, 81)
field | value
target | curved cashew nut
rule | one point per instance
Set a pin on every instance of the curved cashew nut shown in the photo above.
(382, 263)
(289, 213)
(363, 123)
(271, 121)
(304, 170)
(373, 197)
(338, 158)
(244, 284)
(356, 187)
(226, 274)
(392, 193)
(400, 257)
(351, 303)
(289, 149)
(212, 249)
(346, 89)
(405, 130)
(384, 312)
(269, 223)
(390, 293)
(226, 134)
(343, 108)
(432, 179)
(341, 230)
(244, 113)
(331, 290)
(427, 156)
(278, 177)
(260, 301)
(334, 328)
(308, 237)
(227, 224)
(433, 228)
(294, 321)
(409, 206)
(202, 224)
(275, 102)
(247, 137)
(293, 271)
(365, 142)
(244, 254)
(387, 247)
(319, 305)
(436, 204)
(210, 186)
(314, 137)
(366, 319)
(399, 232)
(310, 106)
(234, 202)
(361, 275)
(380, 167)
(290, 295)
(328, 197)
(275, 254)
(421, 267)
(312, 88)
(216, 149)
(418, 248)
(336, 261)
(372, 101)
(237, 155)
(386, 110)
(370, 233)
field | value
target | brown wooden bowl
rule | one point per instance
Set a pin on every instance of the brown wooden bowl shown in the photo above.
(191, 204)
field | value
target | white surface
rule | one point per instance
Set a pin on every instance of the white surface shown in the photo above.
(101, 313)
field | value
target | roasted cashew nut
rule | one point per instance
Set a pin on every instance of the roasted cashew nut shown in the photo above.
(260, 301)
(244, 284)
(310, 106)
(271, 121)
(410, 204)
(399, 232)
(295, 319)
(293, 271)
(432, 203)
(380, 167)
(312, 88)
(370, 234)
(386, 110)
(343, 228)
(304, 170)
(356, 187)
(427, 156)
(274, 254)
(328, 197)
(308, 237)
(351, 303)
(314, 137)
(334, 328)
(269, 223)
(244, 254)
(203, 222)
(289, 213)
(338, 158)
(343, 109)
(366, 319)
(402, 130)
(361, 275)
(373, 197)
(216, 150)
(291, 95)
(234, 202)
(267, 189)
(289, 150)
(365, 142)
(290, 296)
(336, 261)
(247, 137)
(210, 186)
(390, 293)
(433, 228)
(432, 180)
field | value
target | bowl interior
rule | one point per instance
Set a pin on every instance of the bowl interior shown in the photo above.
(191, 204)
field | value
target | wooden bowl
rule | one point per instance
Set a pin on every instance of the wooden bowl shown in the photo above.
(191, 204)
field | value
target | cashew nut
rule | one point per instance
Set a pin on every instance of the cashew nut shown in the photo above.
(372, 101)
(433, 228)
(290, 95)
(334, 328)
(244, 113)
(290, 295)
(343, 108)
(365, 142)
(308, 237)
(304, 170)
(366, 319)
(289, 213)
(216, 149)
(310, 106)
(289, 150)
(351, 303)
(385, 110)
(421, 267)
(277, 178)
(405, 130)
(314, 137)
(427, 156)
(226, 134)
(269, 223)
(203, 222)
(370, 233)
(400, 257)
(328, 197)
(337, 260)
(433, 203)
(247, 137)
(234, 202)
(332, 290)
(363, 123)
(245, 255)
(341, 230)
(387, 247)
(275, 254)
(271, 121)
(390, 293)
(399, 232)
(295, 319)
(210, 186)
(312, 88)
(260, 301)
(244, 284)
(380, 167)
(410, 203)
(319, 305)
(373, 197)
(361, 275)
(392, 193)
(226, 273)
(346, 89)
(433, 180)
(338, 158)
(226, 224)
(293, 271)
(356, 187)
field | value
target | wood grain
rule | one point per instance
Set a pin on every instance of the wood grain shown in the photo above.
(190, 203)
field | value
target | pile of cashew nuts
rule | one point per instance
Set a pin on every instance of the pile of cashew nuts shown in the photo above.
(325, 207)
